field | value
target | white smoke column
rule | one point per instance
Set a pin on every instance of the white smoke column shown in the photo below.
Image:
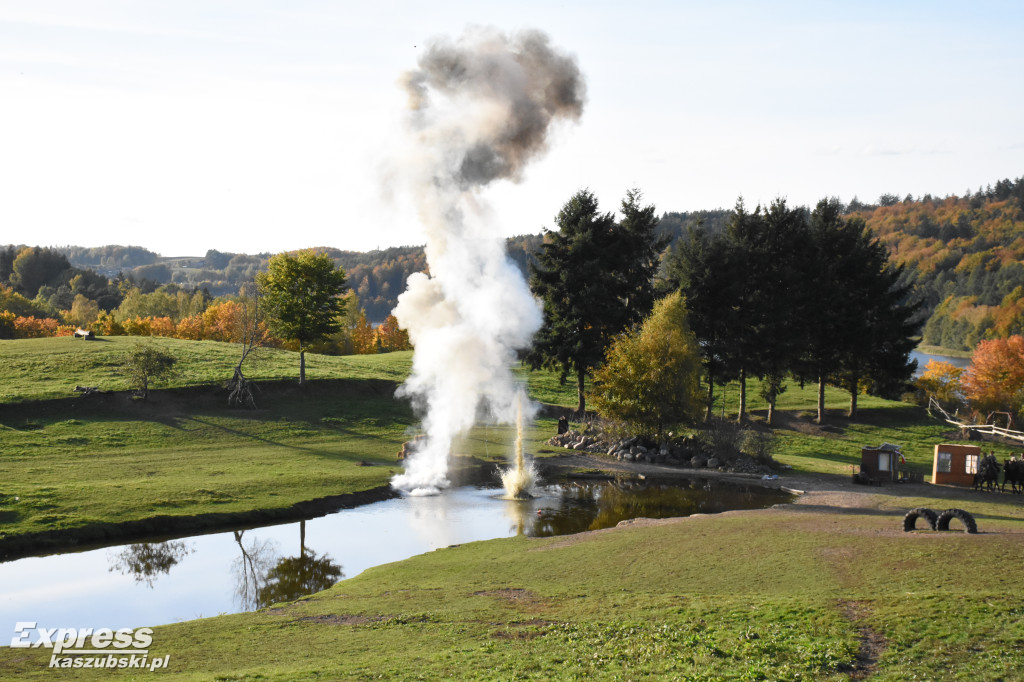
(481, 108)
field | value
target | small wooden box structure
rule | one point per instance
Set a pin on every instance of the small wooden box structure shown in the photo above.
(955, 464)
(881, 463)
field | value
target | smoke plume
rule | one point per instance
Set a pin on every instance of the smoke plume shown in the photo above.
(480, 108)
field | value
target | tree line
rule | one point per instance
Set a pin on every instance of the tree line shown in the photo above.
(963, 256)
(66, 298)
(779, 293)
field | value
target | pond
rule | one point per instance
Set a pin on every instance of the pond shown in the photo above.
(153, 583)
(923, 358)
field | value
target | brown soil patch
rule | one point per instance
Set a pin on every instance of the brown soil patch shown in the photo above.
(792, 421)
(872, 643)
(337, 619)
(510, 594)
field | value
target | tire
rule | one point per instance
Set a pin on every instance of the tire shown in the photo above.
(965, 518)
(910, 520)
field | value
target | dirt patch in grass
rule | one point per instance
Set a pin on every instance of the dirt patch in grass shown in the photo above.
(337, 619)
(511, 594)
(795, 421)
(871, 642)
(516, 598)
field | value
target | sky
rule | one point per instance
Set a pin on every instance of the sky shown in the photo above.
(258, 126)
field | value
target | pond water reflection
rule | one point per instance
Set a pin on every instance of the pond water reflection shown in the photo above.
(152, 583)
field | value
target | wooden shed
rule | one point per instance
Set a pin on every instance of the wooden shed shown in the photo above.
(882, 463)
(955, 464)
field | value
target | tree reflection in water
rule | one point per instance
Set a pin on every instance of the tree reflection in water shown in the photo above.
(294, 577)
(251, 569)
(591, 505)
(263, 577)
(146, 561)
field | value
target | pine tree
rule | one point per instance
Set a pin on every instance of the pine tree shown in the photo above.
(594, 277)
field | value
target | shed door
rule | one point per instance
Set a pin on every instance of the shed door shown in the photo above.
(883, 461)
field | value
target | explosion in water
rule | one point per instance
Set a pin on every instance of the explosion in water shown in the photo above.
(519, 479)
(481, 107)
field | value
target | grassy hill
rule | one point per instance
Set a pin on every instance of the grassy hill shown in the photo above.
(45, 369)
(816, 591)
(184, 454)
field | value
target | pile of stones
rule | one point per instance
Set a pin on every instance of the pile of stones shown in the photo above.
(683, 452)
(574, 440)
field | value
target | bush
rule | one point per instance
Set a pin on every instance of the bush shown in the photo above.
(759, 445)
(7, 325)
(143, 365)
(650, 379)
(721, 439)
(34, 327)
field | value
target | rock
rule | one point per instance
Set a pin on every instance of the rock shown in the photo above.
(713, 463)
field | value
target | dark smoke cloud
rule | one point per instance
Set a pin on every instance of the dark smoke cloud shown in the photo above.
(530, 81)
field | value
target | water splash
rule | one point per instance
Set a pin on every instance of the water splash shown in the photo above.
(519, 479)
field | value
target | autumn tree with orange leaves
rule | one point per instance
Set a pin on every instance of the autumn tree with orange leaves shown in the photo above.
(943, 381)
(995, 379)
(391, 336)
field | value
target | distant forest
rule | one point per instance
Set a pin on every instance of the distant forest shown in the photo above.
(964, 256)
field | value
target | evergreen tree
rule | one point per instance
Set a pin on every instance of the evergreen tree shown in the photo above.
(639, 256)
(747, 235)
(705, 269)
(7, 256)
(862, 324)
(886, 324)
(778, 301)
(595, 278)
(827, 325)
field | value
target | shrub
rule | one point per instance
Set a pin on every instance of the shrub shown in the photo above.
(34, 327)
(721, 439)
(759, 445)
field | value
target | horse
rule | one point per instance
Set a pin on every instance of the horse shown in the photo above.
(988, 473)
(1013, 473)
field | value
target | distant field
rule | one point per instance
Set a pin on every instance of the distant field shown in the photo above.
(40, 369)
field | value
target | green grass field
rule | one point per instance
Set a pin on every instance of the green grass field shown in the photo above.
(184, 452)
(794, 593)
(768, 595)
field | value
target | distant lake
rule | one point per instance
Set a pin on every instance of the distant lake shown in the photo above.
(923, 358)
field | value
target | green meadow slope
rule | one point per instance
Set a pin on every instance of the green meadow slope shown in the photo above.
(830, 588)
